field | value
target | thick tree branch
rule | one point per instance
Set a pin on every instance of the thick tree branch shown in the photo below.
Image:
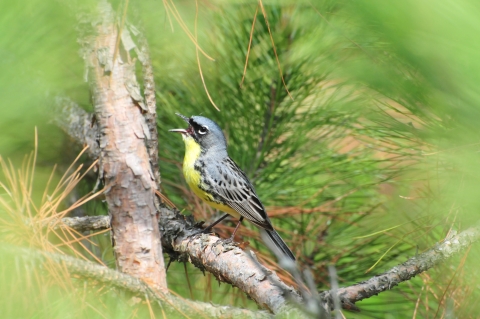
(208, 252)
(225, 261)
(100, 274)
(124, 161)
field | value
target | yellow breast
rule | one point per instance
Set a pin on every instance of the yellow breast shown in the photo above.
(193, 178)
(192, 152)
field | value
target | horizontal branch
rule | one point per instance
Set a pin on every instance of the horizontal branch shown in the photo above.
(232, 265)
(86, 223)
(102, 274)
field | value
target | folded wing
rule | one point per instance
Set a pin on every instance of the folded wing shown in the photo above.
(232, 186)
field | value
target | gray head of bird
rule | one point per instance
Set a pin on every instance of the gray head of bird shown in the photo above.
(204, 131)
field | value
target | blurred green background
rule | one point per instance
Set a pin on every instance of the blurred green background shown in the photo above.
(373, 160)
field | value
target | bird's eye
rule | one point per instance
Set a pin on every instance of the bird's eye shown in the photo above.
(203, 130)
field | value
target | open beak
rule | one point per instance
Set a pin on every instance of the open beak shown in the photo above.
(178, 130)
(181, 130)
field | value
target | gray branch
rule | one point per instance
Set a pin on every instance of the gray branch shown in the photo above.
(211, 254)
(86, 223)
(101, 274)
(414, 266)
(228, 263)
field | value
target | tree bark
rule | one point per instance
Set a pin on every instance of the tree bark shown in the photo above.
(124, 162)
(226, 262)
(230, 264)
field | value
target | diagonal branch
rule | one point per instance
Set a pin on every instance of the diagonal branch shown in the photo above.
(77, 123)
(414, 266)
(208, 253)
(100, 274)
(228, 263)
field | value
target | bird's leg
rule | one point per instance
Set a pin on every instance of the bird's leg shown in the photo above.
(209, 227)
(236, 228)
(230, 239)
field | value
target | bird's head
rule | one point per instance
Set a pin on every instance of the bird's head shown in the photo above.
(204, 132)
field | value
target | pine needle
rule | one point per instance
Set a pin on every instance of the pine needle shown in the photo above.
(249, 46)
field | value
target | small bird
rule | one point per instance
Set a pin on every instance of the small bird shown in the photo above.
(215, 178)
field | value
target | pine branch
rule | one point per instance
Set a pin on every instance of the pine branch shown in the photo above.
(86, 223)
(226, 262)
(104, 275)
(414, 266)
(230, 264)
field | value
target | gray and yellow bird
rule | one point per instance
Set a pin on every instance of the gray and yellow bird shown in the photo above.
(215, 178)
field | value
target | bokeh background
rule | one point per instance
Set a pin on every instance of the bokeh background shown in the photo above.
(365, 155)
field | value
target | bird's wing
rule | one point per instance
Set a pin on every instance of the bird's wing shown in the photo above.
(232, 186)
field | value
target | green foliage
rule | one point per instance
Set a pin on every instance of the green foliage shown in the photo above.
(29, 290)
(374, 159)
(303, 155)
(377, 99)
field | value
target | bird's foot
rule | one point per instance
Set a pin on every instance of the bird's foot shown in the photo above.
(196, 233)
(230, 241)
(202, 231)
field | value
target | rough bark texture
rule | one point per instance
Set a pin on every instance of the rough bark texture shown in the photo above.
(241, 269)
(124, 162)
(226, 262)
(86, 223)
(211, 254)
(143, 54)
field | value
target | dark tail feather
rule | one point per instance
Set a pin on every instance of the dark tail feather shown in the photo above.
(280, 244)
